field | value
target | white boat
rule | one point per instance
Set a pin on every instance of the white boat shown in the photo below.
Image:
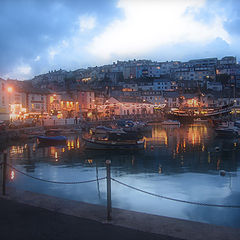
(171, 122)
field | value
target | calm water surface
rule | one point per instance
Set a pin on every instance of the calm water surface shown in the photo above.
(181, 163)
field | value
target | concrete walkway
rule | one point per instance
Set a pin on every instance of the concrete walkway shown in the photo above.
(27, 215)
(21, 221)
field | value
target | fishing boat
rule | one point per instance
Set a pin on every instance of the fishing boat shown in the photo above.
(114, 140)
(52, 136)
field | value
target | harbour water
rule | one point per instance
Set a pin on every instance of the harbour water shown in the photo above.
(177, 162)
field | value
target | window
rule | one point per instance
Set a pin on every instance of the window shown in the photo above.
(3, 87)
(3, 100)
(32, 98)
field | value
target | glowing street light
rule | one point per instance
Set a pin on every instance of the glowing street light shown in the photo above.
(9, 89)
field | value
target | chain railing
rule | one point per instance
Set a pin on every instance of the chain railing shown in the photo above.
(4, 166)
(51, 181)
(174, 199)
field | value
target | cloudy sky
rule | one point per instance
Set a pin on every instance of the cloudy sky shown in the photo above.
(42, 35)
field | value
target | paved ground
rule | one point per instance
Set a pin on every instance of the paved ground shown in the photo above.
(20, 221)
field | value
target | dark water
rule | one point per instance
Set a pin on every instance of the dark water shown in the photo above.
(182, 163)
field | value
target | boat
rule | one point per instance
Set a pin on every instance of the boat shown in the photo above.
(227, 129)
(114, 140)
(133, 126)
(188, 115)
(97, 144)
(171, 122)
(199, 120)
(52, 136)
(227, 132)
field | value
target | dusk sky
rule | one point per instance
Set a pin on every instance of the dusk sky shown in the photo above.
(42, 35)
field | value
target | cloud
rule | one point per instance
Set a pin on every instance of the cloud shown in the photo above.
(37, 58)
(21, 72)
(31, 28)
(73, 34)
(151, 24)
(87, 23)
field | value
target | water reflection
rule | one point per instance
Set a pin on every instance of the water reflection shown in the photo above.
(178, 162)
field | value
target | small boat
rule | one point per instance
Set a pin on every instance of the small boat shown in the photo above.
(52, 136)
(101, 144)
(199, 120)
(114, 140)
(171, 122)
(227, 129)
(227, 132)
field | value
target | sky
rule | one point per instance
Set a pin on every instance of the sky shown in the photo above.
(37, 36)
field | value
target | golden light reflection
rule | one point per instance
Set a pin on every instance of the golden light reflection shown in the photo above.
(209, 157)
(90, 161)
(159, 136)
(78, 143)
(218, 164)
(69, 145)
(56, 156)
(160, 169)
(12, 175)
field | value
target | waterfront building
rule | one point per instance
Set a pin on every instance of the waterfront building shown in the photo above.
(86, 101)
(126, 106)
(36, 101)
(4, 100)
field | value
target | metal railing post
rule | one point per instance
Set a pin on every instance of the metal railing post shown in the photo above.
(109, 201)
(4, 169)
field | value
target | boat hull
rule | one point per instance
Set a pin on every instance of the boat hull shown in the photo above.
(221, 132)
(106, 145)
(52, 140)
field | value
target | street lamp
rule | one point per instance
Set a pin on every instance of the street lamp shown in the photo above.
(10, 89)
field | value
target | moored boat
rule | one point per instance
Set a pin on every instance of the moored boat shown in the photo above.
(101, 144)
(171, 122)
(227, 132)
(52, 136)
(227, 129)
(114, 140)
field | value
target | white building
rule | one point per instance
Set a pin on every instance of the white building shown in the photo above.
(126, 106)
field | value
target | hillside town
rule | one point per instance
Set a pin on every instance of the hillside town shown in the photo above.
(123, 88)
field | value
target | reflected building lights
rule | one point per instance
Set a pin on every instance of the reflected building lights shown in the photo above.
(209, 157)
(12, 175)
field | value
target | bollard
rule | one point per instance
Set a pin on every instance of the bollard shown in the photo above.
(109, 201)
(4, 168)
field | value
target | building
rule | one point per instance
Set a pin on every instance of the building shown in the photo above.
(164, 85)
(214, 86)
(4, 100)
(86, 100)
(126, 106)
